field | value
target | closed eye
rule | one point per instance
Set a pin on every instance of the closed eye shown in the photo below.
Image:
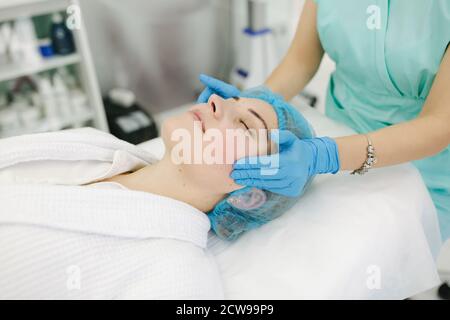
(245, 125)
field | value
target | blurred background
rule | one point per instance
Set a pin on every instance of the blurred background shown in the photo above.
(67, 63)
(159, 47)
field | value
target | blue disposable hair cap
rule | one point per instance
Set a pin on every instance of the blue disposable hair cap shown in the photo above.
(249, 208)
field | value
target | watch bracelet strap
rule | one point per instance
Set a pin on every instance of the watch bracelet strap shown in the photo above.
(370, 161)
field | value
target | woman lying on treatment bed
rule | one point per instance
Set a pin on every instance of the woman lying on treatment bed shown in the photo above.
(86, 215)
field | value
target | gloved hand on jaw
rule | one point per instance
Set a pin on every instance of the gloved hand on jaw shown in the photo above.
(299, 160)
(250, 207)
(215, 86)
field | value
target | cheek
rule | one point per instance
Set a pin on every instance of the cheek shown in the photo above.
(243, 146)
(167, 129)
(216, 178)
(224, 171)
(171, 125)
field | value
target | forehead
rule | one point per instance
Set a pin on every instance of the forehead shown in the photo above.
(264, 109)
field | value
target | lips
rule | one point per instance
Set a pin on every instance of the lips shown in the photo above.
(198, 117)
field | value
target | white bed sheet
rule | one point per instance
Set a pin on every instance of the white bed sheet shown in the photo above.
(349, 237)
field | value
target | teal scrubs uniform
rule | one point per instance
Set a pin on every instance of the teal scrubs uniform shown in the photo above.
(387, 55)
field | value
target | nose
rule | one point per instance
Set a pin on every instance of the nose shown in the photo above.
(216, 103)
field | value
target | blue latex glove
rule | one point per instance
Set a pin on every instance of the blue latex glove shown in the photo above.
(299, 160)
(218, 87)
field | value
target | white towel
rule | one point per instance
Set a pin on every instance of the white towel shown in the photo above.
(69, 157)
(61, 240)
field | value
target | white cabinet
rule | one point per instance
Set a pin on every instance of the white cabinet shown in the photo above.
(81, 61)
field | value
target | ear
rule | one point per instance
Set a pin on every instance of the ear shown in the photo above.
(248, 199)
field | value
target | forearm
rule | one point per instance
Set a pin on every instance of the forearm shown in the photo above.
(290, 77)
(416, 139)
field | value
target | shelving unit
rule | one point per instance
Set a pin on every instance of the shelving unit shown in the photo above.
(82, 59)
(17, 70)
(44, 125)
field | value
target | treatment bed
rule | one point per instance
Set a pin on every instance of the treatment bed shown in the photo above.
(349, 237)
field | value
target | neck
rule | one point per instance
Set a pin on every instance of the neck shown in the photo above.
(166, 179)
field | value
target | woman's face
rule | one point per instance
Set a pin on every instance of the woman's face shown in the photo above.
(215, 135)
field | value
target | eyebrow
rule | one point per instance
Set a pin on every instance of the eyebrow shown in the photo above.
(256, 114)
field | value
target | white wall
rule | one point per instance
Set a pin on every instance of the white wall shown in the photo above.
(157, 47)
(283, 17)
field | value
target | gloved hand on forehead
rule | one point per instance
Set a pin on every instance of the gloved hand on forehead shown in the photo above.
(215, 86)
(223, 89)
(298, 161)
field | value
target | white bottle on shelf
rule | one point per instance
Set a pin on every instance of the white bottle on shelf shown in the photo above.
(9, 122)
(3, 106)
(68, 78)
(80, 107)
(30, 118)
(26, 35)
(3, 50)
(5, 35)
(49, 103)
(27, 114)
(62, 98)
(16, 54)
(3, 100)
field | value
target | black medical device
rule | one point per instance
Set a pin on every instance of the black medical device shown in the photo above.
(126, 119)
